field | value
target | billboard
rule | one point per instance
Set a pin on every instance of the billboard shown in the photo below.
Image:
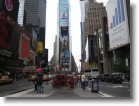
(14, 43)
(117, 23)
(34, 39)
(24, 47)
(64, 30)
(64, 15)
(40, 47)
(64, 46)
(5, 33)
(11, 7)
(9, 39)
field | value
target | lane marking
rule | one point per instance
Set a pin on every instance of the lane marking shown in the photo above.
(105, 94)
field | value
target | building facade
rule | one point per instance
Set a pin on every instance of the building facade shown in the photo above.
(83, 9)
(93, 19)
(35, 18)
(64, 46)
(119, 34)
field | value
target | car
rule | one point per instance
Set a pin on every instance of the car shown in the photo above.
(6, 80)
(127, 76)
(122, 75)
(46, 77)
(101, 77)
(107, 77)
(115, 78)
(32, 77)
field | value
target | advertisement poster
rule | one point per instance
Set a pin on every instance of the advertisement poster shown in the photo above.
(5, 34)
(8, 35)
(25, 46)
(40, 47)
(118, 23)
(11, 7)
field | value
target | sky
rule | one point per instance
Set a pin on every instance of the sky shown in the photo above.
(51, 27)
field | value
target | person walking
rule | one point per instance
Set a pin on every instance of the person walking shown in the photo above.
(39, 82)
(83, 80)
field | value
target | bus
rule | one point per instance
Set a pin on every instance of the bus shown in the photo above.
(94, 72)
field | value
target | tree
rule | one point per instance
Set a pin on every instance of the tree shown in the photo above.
(118, 65)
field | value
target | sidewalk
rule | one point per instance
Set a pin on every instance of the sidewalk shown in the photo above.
(86, 93)
(47, 91)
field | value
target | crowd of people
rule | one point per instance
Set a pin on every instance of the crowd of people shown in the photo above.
(72, 81)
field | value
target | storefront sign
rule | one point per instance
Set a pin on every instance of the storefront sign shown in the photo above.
(5, 52)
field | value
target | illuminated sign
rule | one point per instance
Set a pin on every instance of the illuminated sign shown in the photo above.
(40, 46)
(9, 5)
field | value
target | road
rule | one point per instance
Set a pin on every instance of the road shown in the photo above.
(26, 89)
(16, 86)
(116, 90)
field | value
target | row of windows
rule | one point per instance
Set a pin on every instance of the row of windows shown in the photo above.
(95, 21)
(93, 28)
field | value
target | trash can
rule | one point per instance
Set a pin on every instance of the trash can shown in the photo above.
(95, 85)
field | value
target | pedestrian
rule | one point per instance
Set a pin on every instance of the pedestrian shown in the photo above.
(86, 80)
(83, 80)
(35, 83)
(75, 80)
(39, 81)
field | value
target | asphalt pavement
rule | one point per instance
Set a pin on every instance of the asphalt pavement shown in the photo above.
(57, 93)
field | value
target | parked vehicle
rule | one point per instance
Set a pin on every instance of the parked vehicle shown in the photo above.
(107, 77)
(122, 75)
(116, 78)
(5, 80)
(127, 76)
(101, 77)
(32, 77)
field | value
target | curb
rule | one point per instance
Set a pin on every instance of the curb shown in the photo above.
(101, 93)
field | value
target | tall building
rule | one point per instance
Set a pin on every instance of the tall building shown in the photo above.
(35, 18)
(94, 12)
(64, 46)
(83, 9)
(21, 12)
(35, 13)
(119, 33)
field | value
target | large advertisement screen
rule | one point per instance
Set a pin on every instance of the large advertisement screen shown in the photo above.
(9, 39)
(25, 46)
(40, 47)
(64, 15)
(34, 39)
(5, 34)
(64, 47)
(117, 23)
(14, 44)
(11, 7)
